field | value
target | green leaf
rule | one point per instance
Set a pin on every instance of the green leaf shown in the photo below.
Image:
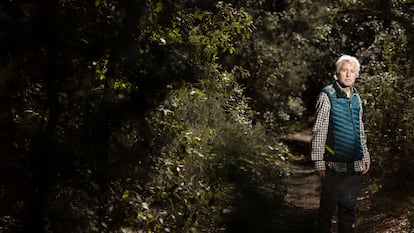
(159, 7)
(125, 195)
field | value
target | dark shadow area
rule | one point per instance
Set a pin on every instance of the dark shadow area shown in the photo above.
(255, 213)
(297, 220)
(301, 150)
(386, 208)
(296, 212)
(297, 147)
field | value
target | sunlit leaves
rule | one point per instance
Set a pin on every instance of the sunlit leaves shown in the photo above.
(101, 2)
(123, 86)
(125, 195)
(209, 33)
(101, 68)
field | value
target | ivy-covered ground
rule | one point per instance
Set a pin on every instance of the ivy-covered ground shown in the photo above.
(377, 212)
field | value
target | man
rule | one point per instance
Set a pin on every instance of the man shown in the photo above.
(339, 148)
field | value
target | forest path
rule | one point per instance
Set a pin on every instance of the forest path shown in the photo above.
(302, 198)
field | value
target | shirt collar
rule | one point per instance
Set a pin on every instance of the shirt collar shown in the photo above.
(340, 93)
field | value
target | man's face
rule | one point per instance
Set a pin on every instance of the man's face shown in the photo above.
(347, 74)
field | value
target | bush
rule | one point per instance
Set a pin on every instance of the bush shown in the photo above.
(389, 108)
(209, 152)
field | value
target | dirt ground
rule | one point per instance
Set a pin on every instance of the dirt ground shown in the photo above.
(376, 212)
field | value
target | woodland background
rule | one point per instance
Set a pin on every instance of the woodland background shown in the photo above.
(163, 115)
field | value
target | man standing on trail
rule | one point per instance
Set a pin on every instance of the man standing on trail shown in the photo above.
(339, 148)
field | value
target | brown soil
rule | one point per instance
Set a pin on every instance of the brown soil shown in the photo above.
(376, 212)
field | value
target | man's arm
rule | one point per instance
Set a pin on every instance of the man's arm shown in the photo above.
(366, 159)
(320, 131)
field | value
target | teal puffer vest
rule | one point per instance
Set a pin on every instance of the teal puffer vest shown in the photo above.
(343, 142)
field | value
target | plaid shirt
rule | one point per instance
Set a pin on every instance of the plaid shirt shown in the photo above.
(320, 132)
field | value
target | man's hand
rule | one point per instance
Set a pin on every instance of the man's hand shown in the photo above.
(320, 173)
(365, 167)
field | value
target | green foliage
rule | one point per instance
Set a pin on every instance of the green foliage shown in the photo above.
(386, 83)
(277, 79)
(99, 2)
(153, 115)
(180, 166)
(389, 104)
(206, 33)
(212, 151)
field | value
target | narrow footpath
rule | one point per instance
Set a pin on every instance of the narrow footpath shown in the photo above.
(302, 198)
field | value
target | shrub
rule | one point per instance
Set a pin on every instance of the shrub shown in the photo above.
(209, 151)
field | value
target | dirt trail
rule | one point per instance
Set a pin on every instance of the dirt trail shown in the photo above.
(303, 185)
(302, 197)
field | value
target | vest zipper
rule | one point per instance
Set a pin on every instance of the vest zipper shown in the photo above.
(353, 124)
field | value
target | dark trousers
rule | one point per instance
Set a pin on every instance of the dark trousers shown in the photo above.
(339, 191)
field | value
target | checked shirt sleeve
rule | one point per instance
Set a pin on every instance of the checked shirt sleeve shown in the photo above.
(366, 156)
(320, 130)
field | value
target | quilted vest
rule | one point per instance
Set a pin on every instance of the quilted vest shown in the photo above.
(343, 142)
